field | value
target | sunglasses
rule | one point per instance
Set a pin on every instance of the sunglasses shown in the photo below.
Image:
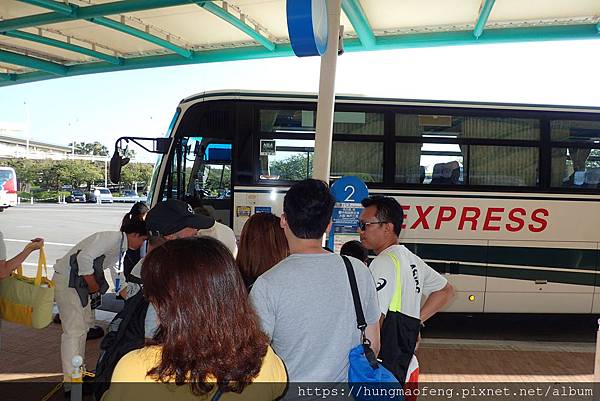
(363, 224)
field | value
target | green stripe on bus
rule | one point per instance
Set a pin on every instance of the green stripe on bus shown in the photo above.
(564, 258)
(515, 273)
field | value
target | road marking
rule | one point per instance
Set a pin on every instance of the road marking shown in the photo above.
(45, 242)
(69, 210)
(34, 264)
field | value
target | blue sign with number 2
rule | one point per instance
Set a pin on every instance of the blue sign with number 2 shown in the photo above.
(349, 189)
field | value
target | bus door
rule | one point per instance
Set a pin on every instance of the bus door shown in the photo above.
(201, 175)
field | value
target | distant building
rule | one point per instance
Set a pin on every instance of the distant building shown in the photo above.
(14, 144)
(11, 146)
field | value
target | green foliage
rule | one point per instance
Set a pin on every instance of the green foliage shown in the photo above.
(293, 168)
(130, 153)
(136, 172)
(49, 196)
(53, 174)
(214, 183)
(94, 148)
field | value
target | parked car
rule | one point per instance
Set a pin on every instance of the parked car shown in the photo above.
(104, 194)
(128, 196)
(76, 196)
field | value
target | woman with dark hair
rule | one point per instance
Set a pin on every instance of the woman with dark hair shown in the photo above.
(208, 339)
(138, 212)
(356, 250)
(262, 246)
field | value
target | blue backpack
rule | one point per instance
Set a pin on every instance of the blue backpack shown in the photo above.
(367, 378)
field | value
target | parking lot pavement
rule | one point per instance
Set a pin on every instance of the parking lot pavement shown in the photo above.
(61, 226)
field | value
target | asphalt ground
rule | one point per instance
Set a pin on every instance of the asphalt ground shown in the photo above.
(62, 226)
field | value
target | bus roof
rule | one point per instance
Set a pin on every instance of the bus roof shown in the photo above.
(45, 39)
(237, 94)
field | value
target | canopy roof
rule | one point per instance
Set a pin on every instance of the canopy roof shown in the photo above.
(44, 39)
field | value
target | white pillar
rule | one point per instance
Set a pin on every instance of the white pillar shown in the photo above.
(105, 173)
(325, 106)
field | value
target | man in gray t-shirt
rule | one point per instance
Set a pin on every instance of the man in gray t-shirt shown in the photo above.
(304, 303)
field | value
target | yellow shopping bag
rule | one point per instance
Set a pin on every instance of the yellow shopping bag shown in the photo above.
(28, 301)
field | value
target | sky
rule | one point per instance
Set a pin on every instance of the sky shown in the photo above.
(103, 107)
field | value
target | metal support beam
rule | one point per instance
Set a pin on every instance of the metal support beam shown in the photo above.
(357, 17)
(63, 45)
(437, 39)
(239, 24)
(8, 77)
(129, 30)
(484, 14)
(31, 62)
(59, 7)
(326, 101)
(100, 10)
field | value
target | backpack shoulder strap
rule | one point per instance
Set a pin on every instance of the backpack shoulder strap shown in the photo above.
(360, 317)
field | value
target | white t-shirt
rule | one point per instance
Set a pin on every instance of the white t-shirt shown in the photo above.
(417, 277)
(224, 234)
(102, 243)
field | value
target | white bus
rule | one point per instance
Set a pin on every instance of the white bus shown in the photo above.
(501, 198)
(8, 187)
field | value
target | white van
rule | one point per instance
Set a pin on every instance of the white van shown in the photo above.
(103, 193)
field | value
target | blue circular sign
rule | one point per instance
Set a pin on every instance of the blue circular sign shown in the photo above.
(307, 26)
(349, 189)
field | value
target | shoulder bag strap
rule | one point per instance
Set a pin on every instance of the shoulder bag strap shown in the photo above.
(217, 394)
(360, 317)
(41, 268)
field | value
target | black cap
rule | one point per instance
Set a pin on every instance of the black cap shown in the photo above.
(173, 215)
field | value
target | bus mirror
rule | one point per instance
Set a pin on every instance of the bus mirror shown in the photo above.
(116, 162)
(162, 145)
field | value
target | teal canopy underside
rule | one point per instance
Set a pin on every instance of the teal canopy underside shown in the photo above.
(45, 39)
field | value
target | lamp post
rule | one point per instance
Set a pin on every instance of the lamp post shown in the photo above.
(28, 125)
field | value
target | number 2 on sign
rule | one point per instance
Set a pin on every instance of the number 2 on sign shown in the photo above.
(349, 198)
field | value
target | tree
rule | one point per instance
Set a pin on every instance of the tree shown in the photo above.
(136, 172)
(82, 172)
(130, 153)
(297, 167)
(218, 179)
(94, 148)
(53, 175)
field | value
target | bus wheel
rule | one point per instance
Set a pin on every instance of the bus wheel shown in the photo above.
(2, 209)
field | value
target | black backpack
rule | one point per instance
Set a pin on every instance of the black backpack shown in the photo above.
(399, 334)
(125, 334)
